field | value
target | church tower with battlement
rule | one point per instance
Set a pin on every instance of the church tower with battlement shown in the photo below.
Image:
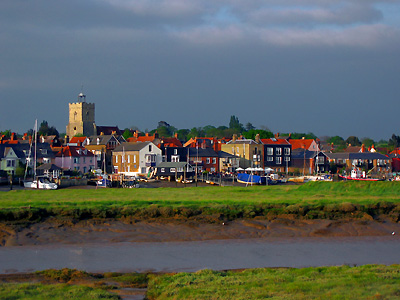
(81, 118)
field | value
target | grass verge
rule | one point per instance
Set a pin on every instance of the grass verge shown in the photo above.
(364, 282)
(323, 200)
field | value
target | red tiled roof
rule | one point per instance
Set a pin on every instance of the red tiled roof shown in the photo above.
(300, 143)
(76, 139)
(275, 142)
(73, 151)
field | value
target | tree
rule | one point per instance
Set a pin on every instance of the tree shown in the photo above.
(45, 129)
(368, 142)
(251, 134)
(336, 140)
(6, 133)
(235, 124)
(127, 133)
(394, 141)
(353, 140)
(183, 134)
(249, 126)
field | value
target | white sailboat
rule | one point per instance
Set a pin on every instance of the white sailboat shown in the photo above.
(37, 182)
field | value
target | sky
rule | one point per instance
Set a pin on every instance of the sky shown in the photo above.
(330, 67)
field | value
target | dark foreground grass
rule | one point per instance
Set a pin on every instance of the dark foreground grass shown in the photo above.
(307, 200)
(37, 291)
(364, 282)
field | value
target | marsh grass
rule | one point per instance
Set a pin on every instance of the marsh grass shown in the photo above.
(345, 282)
(311, 200)
(37, 291)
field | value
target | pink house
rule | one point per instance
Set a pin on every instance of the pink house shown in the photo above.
(76, 158)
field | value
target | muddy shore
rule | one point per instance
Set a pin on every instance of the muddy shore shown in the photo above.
(114, 231)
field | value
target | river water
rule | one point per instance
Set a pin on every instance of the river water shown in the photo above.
(193, 256)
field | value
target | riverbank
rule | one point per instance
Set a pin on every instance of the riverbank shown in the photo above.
(108, 231)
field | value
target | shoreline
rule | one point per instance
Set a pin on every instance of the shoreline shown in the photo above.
(70, 232)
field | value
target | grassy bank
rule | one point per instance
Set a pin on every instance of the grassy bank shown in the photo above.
(312, 200)
(365, 282)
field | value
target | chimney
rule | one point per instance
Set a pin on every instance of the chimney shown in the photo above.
(113, 132)
(277, 135)
(156, 135)
(147, 134)
(30, 139)
(13, 136)
(234, 137)
(135, 134)
(66, 139)
(79, 143)
(303, 138)
(362, 148)
(102, 133)
(176, 135)
(25, 137)
(258, 138)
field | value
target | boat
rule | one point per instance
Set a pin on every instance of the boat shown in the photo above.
(358, 175)
(37, 182)
(254, 179)
(41, 183)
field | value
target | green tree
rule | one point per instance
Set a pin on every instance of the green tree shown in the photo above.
(183, 134)
(353, 140)
(45, 129)
(127, 133)
(336, 140)
(251, 134)
(368, 142)
(235, 124)
(249, 126)
(6, 133)
(394, 141)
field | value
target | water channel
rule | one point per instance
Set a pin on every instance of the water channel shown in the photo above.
(193, 256)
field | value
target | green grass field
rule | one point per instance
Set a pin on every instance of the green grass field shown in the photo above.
(37, 291)
(231, 202)
(364, 282)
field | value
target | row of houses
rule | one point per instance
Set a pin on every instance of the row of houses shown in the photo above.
(142, 154)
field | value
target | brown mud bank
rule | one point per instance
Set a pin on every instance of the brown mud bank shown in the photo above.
(55, 231)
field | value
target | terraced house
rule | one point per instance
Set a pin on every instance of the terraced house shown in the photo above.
(136, 158)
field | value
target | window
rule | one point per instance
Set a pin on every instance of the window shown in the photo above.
(84, 161)
(134, 159)
(129, 159)
(175, 158)
(162, 170)
(149, 148)
(212, 169)
(172, 170)
(84, 169)
(116, 159)
(175, 151)
(180, 169)
(46, 160)
(287, 151)
(270, 151)
(44, 151)
(76, 160)
(278, 151)
(270, 158)
(214, 160)
(10, 163)
(287, 158)
(208, 160)
(278, 160)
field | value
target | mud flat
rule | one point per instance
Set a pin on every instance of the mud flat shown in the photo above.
(54, 231)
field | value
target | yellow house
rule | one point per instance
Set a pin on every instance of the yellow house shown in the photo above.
(136, 158)
(250, 152)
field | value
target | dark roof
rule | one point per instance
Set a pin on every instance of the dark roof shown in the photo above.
(223, 154)
(108, 130)
(300, 153)
(207, 152)
(50, 167)
(22, 150)
(242, 141)
(180, 164)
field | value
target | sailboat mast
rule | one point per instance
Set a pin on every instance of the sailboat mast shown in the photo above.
(35, 157)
